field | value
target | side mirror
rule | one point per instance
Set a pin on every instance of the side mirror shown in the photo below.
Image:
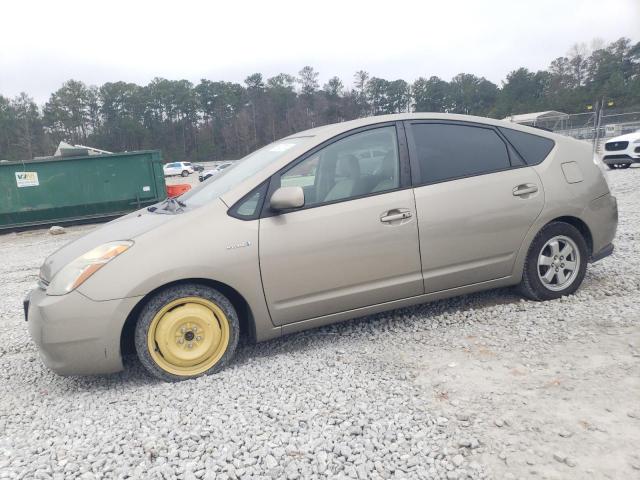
(287, 197)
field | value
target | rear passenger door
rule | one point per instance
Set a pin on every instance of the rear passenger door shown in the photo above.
(475, 199)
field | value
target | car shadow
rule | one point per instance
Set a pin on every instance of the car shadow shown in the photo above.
(371, 324)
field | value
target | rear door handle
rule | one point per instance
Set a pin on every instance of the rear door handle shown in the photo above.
(525, 189)
(395, 214)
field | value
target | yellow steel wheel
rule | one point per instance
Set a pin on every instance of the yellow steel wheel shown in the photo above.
(188, 336)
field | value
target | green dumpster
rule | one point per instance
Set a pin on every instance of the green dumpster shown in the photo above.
(66, 190)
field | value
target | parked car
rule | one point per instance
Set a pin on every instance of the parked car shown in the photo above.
(178, 168)
(206, 174)
(622, 151)
(447, 205)
(197, 167)
(214, 171)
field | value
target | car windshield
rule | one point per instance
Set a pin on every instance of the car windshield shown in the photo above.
(239, 171)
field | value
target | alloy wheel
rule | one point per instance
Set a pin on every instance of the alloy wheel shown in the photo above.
(558, 263)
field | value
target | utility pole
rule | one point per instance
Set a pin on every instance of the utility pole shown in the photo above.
(255, 128)
(598, 123)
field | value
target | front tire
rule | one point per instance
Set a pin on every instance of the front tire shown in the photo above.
(556, 263)
(185, 173)
(186, 331)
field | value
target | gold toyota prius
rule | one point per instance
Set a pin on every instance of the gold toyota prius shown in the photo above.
(325, 225)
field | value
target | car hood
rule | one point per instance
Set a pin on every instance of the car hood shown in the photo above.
(629, 137)
(124, 228)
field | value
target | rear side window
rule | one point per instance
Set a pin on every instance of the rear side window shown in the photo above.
(446, 151)
(532, 148)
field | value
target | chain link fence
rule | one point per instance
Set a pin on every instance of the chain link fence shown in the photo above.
(583, 126)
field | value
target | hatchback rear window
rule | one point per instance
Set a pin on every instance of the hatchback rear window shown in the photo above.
(532, 148)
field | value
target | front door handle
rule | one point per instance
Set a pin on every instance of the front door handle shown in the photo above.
(394, 215)
(525, 189)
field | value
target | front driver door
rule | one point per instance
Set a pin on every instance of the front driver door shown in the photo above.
(355, 242)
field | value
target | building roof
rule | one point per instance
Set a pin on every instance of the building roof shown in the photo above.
(535, 116)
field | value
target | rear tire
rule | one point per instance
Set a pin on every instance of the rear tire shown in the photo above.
(556, 263)
(186, 331)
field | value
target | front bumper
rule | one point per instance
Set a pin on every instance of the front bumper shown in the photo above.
(76, 335)
(622, 157)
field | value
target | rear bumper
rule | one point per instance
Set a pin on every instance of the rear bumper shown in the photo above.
(604, 252)
(76, 335)
(601, 216)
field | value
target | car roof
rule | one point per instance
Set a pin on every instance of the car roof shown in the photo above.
(337, 128)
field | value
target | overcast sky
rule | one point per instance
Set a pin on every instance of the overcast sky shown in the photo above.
(44, 43)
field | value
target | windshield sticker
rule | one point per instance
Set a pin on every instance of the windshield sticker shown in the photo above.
(282, 147)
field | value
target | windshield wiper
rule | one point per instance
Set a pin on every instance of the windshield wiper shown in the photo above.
(169, 206)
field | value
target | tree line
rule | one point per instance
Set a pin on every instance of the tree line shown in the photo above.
(217, 119)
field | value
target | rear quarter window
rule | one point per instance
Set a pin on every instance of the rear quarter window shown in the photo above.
(532, 148)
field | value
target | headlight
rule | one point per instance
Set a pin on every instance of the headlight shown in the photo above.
(78, 271)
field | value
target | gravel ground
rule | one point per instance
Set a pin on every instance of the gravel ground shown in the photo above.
(482, 386)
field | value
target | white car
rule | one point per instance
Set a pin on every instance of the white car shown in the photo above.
(178, 168)
(622, 151)
(215, 171)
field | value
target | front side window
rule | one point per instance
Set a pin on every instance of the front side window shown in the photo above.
(361, 164)
(446, 151)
